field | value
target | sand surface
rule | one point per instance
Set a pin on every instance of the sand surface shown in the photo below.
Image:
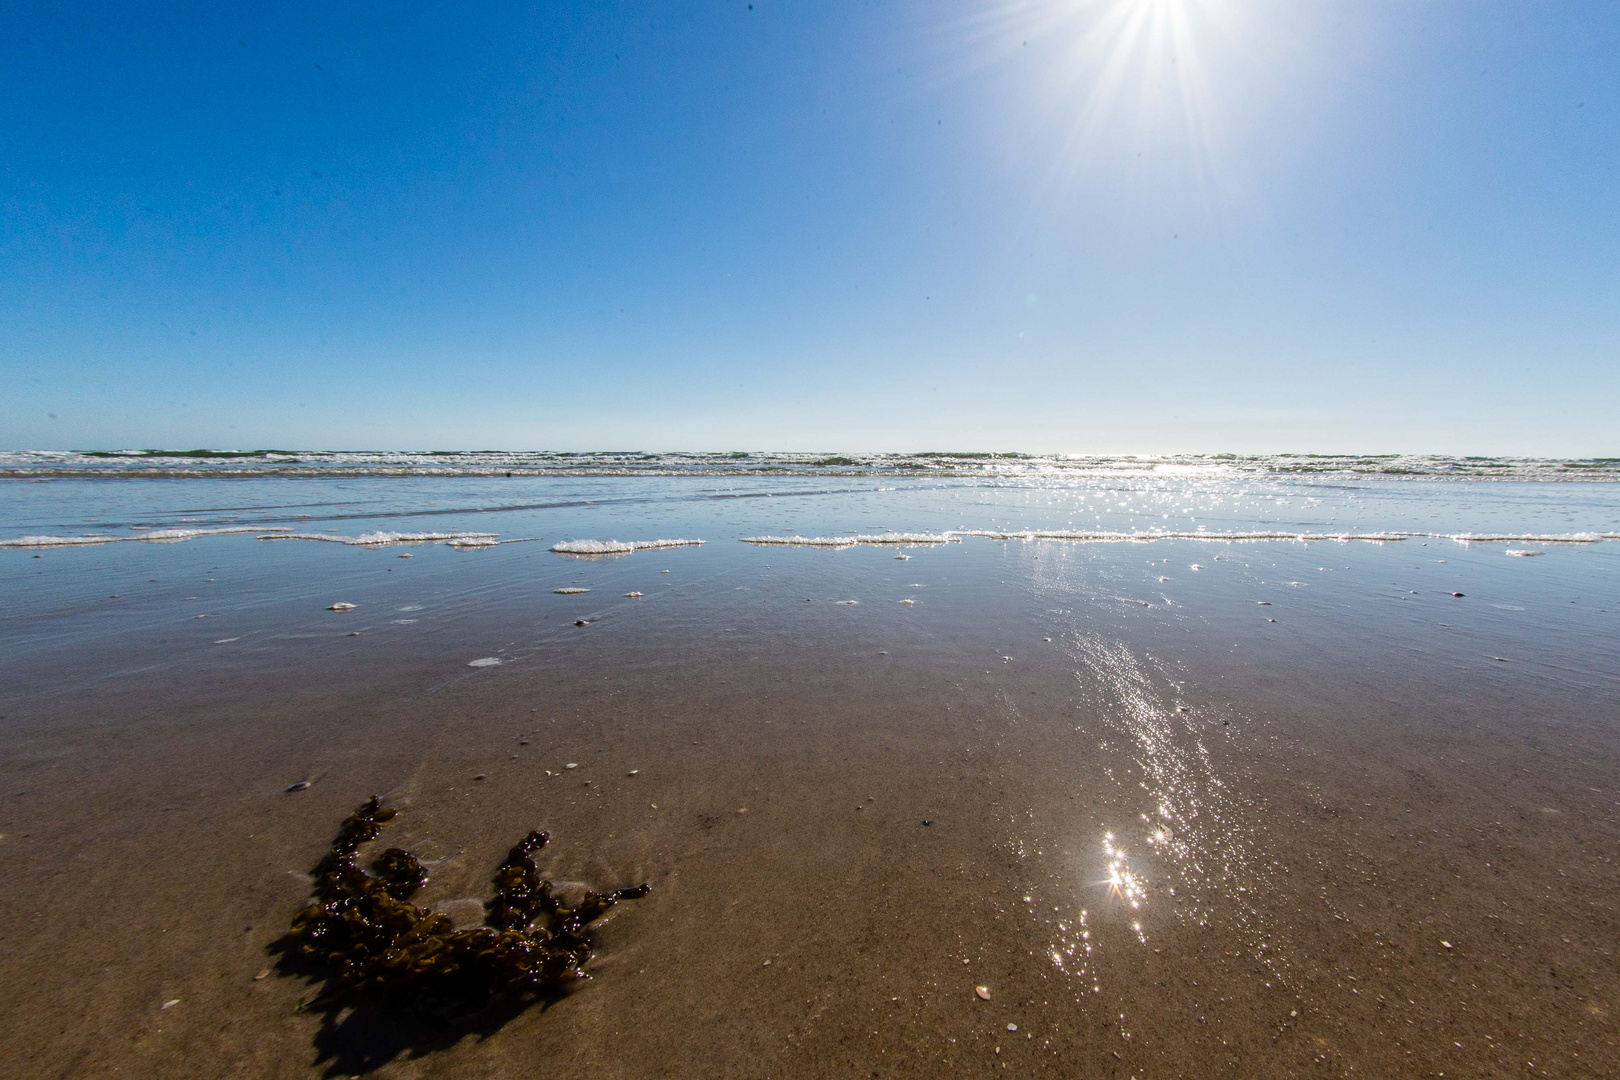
(1357, 844)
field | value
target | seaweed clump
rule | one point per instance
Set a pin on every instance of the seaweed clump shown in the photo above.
(363, 933)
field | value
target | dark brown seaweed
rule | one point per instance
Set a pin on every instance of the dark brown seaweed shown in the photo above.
(365, 937)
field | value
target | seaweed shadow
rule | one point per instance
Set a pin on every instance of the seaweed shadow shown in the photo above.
(396, 979)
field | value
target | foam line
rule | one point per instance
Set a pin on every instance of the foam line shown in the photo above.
(1531, 538)
(851, 541)
(1373, 537)
(377, 539)
(156, 536)
(616, 547)
(481, 541)
(1116, 537)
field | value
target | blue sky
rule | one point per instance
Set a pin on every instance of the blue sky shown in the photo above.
(1091, 225)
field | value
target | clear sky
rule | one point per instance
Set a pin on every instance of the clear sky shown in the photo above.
(1053, 225)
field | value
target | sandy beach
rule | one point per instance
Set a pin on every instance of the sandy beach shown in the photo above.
(1198, 826)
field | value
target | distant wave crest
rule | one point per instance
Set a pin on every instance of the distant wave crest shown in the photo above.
(181, 464)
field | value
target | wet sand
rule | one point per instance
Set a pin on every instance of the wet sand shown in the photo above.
(1356, 842)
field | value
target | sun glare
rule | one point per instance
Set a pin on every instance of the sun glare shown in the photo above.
(1117, 80)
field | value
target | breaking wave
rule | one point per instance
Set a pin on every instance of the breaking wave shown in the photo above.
(38, 464)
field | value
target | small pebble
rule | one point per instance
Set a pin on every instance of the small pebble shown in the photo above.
(927, 822)
(767, 964)
(265, 974)
(299, 786)
(572, 765)
(632, 772)
(1447, 944)
(580, 622)
(632, 595)
(1457, 594)
(407, 556)
(480, 776)
(171, 1003)
(341, 605)
(983, 992)
(1012, 1027)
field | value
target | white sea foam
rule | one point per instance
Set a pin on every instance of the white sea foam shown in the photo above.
(1531, 538)
(378, 539)
(154, 536)
(1097, 536)
(1233, 536)
(851, 541)
(478, 540)
(616, 547)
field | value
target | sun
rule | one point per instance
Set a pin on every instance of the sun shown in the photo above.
(1111, 78)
